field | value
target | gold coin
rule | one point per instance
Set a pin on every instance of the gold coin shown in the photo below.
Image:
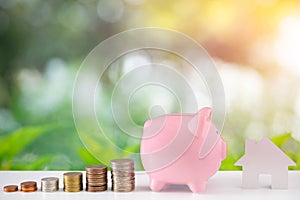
(72, 181)
(72, 176)
(72, 190)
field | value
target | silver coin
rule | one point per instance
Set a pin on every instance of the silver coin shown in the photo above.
(123, 186)
(114, 166)
(123, 183)
(121, 162)
(122, 167)
(122, 173)
(122, 179)
(47, 179)
(49, 184)
(117, 189)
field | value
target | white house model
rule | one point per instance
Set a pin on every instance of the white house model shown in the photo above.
(264, 157)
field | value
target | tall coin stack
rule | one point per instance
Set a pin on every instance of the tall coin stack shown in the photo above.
(96, 178)
(73, 182)
(49, 184)
(122, 175)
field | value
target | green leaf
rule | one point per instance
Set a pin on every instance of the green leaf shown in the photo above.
(228, 163)
(14, 143)
(87, 157)
(133, 148)
(290, 147)
(281, 139)
(37, 164)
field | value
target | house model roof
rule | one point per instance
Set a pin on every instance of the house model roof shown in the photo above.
(264, 153)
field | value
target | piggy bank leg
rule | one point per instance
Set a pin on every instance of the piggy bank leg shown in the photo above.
(197, 187)
(156, 185)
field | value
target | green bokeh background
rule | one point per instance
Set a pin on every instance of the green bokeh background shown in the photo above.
(43, 43)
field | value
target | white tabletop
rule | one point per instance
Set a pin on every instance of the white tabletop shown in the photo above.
(223, 185)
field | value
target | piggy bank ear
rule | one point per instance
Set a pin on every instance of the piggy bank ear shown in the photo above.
(205, 113)
(211, 134)
(198, 120)
(193, 125)
(210, 141)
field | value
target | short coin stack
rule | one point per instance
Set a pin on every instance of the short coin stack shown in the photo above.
(28, 186)
(49, 184)
(73, 182)
(96, 178)
(122, 175)
(10, 188)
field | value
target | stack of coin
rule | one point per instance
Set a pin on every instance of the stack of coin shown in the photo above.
(28, 186)
(49, 184)
(73, 182)
(122, 175)
(96, 178)
(10, 188)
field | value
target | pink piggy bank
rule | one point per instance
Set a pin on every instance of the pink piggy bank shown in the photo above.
(182, 149)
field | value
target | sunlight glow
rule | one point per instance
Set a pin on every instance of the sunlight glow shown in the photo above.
(287, 47)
